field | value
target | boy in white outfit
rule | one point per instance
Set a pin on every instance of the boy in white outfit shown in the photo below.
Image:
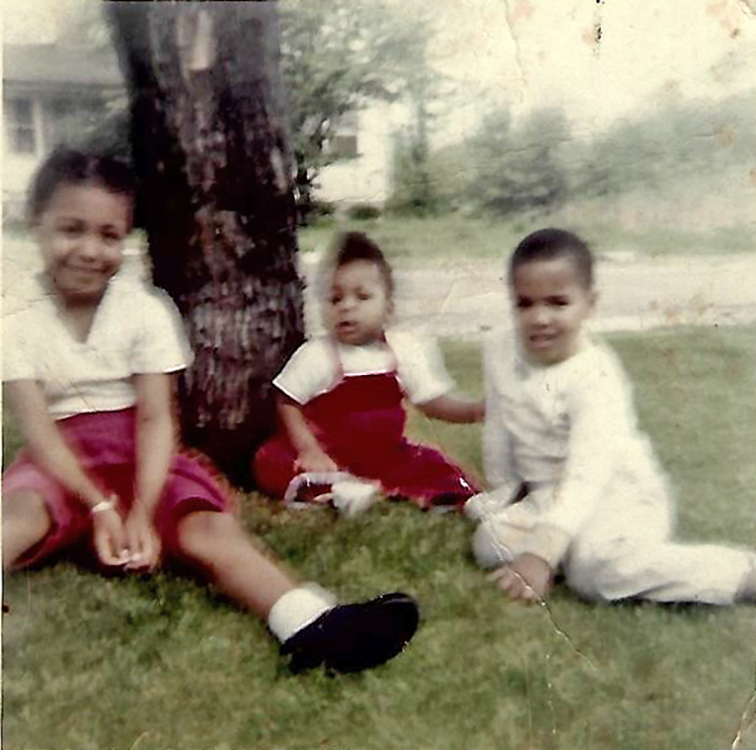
(561, 431)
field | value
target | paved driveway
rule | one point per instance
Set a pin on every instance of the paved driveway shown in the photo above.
(465, 299)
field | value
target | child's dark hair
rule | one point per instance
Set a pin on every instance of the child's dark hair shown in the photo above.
(355, 246)
(68, 166)
(548, 244)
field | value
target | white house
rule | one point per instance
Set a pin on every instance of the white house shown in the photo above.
(365, 137)
(50, 94)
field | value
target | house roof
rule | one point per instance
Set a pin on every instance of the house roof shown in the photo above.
(43, 65)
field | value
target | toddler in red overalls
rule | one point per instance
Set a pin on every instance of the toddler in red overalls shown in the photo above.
(341, 399)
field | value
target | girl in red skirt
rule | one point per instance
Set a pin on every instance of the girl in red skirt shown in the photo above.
(88, 362)
(341, 402)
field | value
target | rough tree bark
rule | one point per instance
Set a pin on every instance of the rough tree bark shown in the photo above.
(216, 199)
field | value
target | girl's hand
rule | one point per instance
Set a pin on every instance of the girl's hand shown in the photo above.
(315, 460)
(310, 456)
(109, 537)
(143, 541)
(528, 578)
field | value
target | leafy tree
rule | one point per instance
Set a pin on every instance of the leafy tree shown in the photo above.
(675, 138)
(338, 55)
(414, 188)
(511, 169)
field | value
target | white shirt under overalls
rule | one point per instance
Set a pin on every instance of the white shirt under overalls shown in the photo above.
(317, 365)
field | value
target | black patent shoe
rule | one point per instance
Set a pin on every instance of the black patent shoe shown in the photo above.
(353, 637)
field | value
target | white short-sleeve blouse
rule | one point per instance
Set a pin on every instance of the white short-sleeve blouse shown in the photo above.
(136, 330)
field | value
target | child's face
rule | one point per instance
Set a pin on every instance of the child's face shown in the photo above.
(81, 234)
(551, 304)
(359, 307)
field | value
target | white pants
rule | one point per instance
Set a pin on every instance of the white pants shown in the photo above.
(625, 551)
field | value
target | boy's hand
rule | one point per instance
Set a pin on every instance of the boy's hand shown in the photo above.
(142, 539)
(315, 460)
(528, 578)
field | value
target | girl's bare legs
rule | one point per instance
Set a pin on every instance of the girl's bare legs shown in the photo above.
(311, 627)
(25, 523)
(235, 565)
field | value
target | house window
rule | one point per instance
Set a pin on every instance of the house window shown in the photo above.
(68, 120)
(344, 142)
(19, 126)
(344, 145)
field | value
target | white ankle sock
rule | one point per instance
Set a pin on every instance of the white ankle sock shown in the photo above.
(298, 608)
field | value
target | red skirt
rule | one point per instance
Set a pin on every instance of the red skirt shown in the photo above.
(104, 443)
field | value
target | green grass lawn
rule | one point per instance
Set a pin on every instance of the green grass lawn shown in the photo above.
(158, 663)
(448, 238)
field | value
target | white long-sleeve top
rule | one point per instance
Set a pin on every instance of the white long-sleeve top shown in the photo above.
(569, 430)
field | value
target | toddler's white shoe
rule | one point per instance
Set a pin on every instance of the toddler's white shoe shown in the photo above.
(482, 505)
(312, 488)
(352, 496)
(485, 504)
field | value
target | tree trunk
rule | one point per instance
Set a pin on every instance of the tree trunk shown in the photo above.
(216, 199)
(305, 204)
